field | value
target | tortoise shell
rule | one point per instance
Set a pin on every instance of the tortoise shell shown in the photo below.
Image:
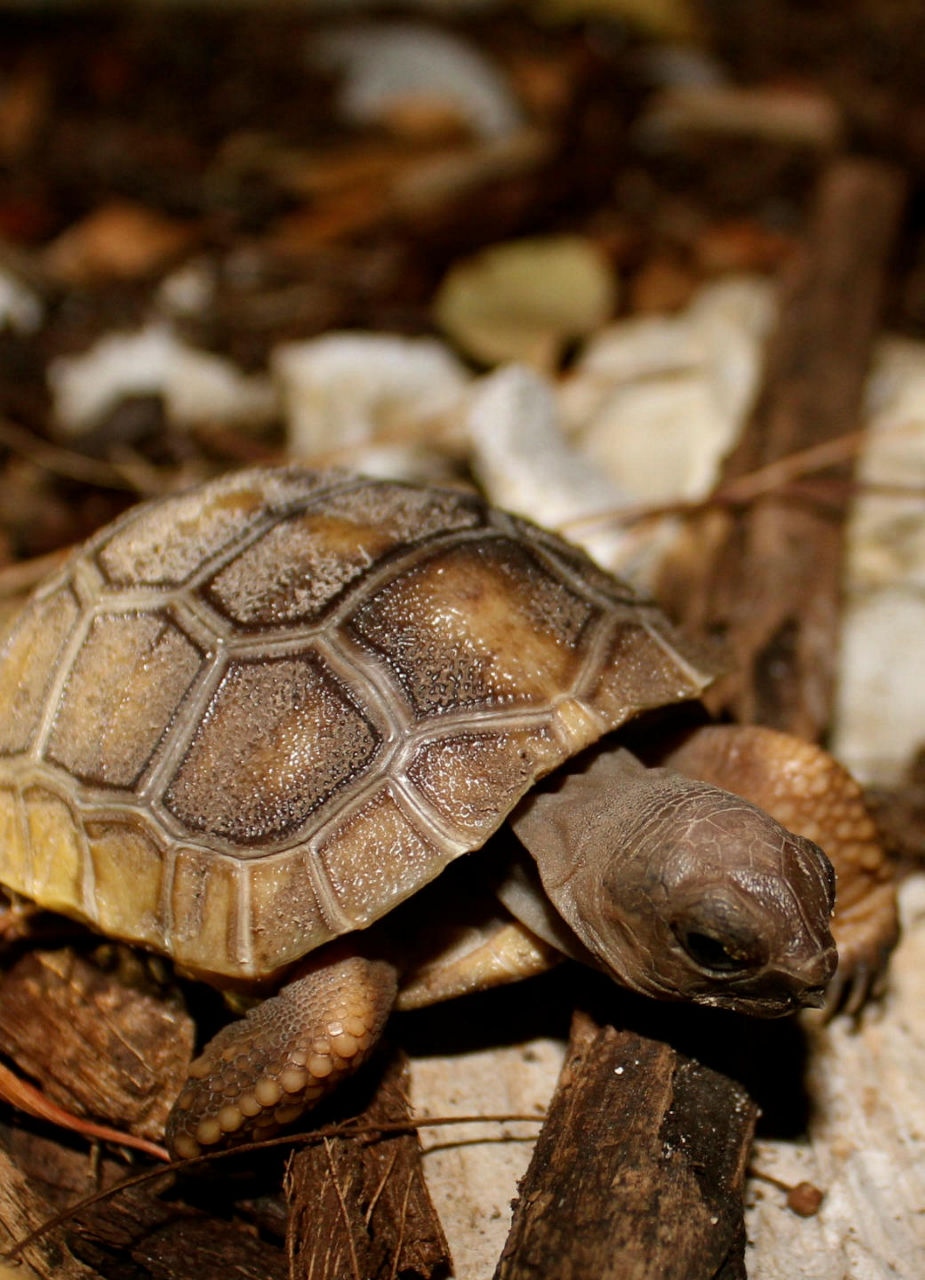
(247, 719)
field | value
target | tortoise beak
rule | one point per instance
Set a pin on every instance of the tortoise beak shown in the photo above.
(804, 985)
(778, 990)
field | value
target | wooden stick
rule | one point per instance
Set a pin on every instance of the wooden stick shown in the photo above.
(765, 581)
(638, 1172)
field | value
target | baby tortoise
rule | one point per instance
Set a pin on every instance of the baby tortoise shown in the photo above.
(244, 723)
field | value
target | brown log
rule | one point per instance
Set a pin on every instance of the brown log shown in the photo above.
(359, 1208)
(764, 581)
(638, 1171)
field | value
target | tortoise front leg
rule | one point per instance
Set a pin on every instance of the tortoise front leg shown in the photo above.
(264, 1070)
(806, 790)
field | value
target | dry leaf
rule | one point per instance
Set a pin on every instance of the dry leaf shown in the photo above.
(118, 241)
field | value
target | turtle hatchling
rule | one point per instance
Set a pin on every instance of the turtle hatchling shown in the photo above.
(243, 724)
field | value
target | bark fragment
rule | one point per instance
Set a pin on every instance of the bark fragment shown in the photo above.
(100, 1043)
(638, 1172)
(359, 1208)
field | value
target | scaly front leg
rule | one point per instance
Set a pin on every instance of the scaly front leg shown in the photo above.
(264, 1070)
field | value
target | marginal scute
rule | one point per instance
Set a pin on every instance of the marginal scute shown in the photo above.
(482, 625)
(205, 906)
(474, 779)
(287, 919)
(577, 563)
(122, 692)
(57, 849)
(298, 567)
(376, 857)
(642, 668)
(127, 877)
(28, 663)
(280, 736)
(15, 847)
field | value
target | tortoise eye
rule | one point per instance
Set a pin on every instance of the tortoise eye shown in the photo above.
(709, 953)
(719, 955)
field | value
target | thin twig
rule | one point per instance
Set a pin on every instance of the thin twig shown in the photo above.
(374, 1200)
(64, 462)
(762, 482)
(400, 1238)
(345, 1129)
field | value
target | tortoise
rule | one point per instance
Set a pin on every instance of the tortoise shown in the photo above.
(244, 723)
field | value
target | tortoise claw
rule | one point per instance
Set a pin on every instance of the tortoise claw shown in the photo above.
(862, 971)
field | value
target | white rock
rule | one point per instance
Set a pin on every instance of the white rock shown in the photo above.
(524, 462)
(196, 386)
(188, 291)
(346, 388)
(865, 1151)
(657, 401)
(395, 61)
(880, 712)
(20, 309)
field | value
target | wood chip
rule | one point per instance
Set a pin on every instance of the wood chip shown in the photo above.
(359, 1206)
(97, 1045)
(639, 1170)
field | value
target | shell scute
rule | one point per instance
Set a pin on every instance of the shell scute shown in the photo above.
(164, 543)
(473, 780)
(641, 666)
(28, 663)
(289, 909)
(279, 737)
(57, 848)
(128, 870)
(376, 856)
(296, 569)
(477, 626)
(122, 692)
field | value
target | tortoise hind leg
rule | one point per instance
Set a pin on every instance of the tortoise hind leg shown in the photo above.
(262, 1071)
(811, 794)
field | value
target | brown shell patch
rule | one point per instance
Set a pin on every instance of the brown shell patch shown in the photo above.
(375, 858)
(122, 692)
(165, 542)
(482, 625)
(298, 567)
(590, 574)
(642, 668)
(279, 737)
(28, 664)
(475, 779)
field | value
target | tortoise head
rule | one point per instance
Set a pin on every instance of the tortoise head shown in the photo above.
(683, 891)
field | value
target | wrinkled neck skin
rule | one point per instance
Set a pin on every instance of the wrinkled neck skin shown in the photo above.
(680, 890)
